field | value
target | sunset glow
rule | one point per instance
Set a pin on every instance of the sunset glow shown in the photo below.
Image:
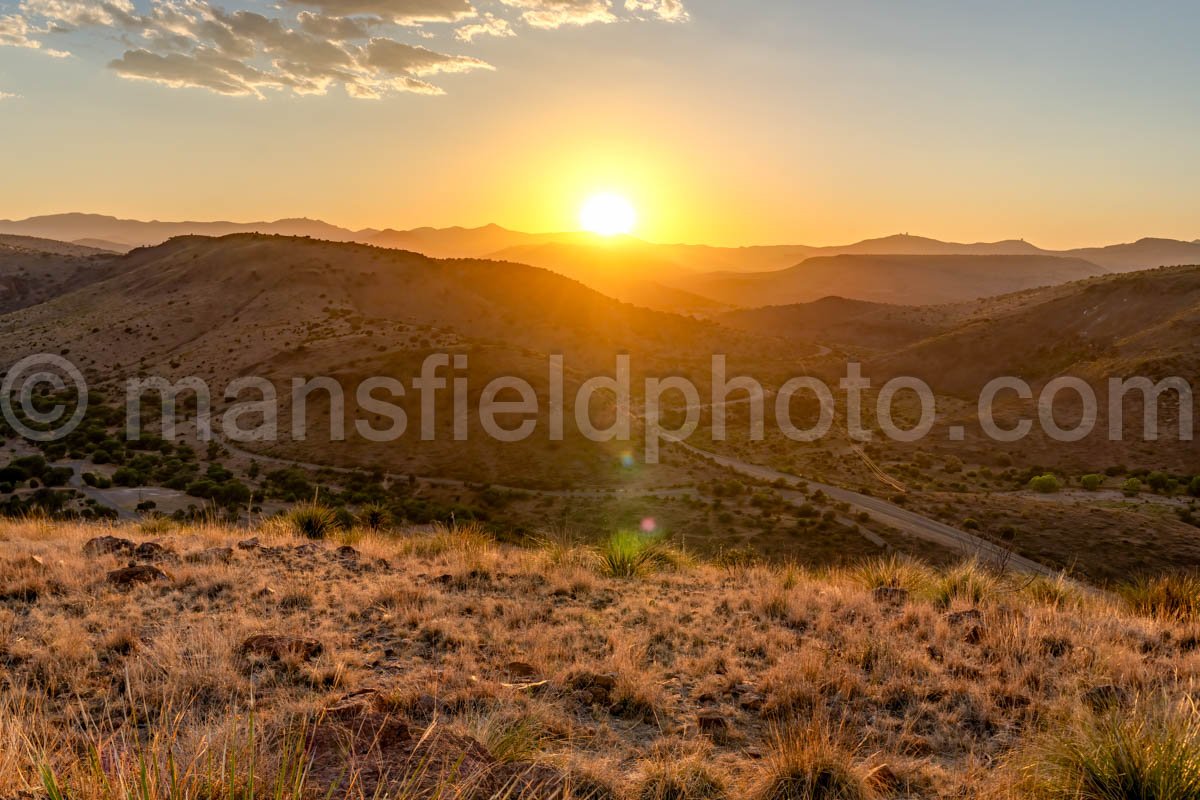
(608, 215)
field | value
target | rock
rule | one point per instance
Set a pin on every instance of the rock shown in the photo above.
(346, 552)
(135, 574)
(971, 615)
(593, 688)
(714, 725)
(102, 545)
(748, 698)
(279, 648)
(520, 669)
(151, 551)
(1105, 697)
(210, 556)
(1056, 647)
(308, 550)
(890, 595)
(248, 544)
(359, 736)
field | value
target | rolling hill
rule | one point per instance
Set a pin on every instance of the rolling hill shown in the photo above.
(897, 279)
(1142, 323)
(35, 270)
(839, 322)
(282, 308)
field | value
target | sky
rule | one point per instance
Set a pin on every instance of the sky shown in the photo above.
(723, 122)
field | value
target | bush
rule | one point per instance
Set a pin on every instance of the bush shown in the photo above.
(1045, 484)
(313, 521)
(1157, 481)
(1091, 483)
(1194, 487)
(1132, 487)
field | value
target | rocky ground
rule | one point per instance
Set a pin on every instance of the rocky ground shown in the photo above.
(206, 662)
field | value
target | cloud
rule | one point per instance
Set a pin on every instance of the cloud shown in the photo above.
(550, 14)
(395, 58)
(303, 47)
(400, 11)
(669, 10)
(78, 13)
(9, 96)
(489, 25)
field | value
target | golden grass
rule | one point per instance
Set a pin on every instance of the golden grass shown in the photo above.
(685, 680)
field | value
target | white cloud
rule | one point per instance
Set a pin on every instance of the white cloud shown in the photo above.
(489, 25)
(303, 46)
(669, 10)
(558, 13)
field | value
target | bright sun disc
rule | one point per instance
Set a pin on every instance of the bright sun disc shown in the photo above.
(608, 215)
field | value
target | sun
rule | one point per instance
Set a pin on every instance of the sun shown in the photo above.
(608, 215)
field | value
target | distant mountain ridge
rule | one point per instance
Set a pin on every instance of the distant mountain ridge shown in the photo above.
(493, 241)
(697, 280)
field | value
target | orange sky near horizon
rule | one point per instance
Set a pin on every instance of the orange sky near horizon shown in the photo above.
(766, 122)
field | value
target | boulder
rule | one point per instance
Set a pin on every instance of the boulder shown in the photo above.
(136, 574)
(102, 545)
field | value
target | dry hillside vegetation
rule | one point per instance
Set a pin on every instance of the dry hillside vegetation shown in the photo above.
(220, 663)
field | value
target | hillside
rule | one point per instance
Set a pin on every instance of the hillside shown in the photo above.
(896, 279)
(1142, 323)
(836, 321)
(305, 308)
(440, 664)
(34, 270)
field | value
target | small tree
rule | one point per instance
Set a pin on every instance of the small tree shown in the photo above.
(1132, 487)
(1091, 482)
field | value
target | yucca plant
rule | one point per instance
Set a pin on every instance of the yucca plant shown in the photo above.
(626, 554)
(375, 517)
(313, 521)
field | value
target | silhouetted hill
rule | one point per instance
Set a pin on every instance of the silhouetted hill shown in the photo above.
(904, 280)
(1142, 254)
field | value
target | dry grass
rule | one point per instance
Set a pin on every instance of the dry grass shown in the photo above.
(683, 680)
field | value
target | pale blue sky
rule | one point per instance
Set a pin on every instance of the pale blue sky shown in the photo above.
(748, 122)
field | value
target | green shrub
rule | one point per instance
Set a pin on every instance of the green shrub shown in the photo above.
(1132, 487)
(1045, 484)
(1091, 483)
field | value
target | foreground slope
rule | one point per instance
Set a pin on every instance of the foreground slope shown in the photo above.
(439, 664)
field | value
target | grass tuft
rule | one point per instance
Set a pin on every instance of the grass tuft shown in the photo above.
(1151, 753)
